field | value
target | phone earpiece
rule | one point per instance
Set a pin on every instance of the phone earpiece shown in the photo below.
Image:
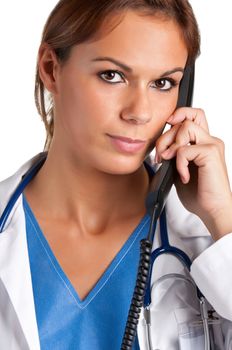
(186, 87)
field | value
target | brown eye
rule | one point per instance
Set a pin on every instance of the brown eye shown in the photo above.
(111, 76)
(164, 84)
(160, 84)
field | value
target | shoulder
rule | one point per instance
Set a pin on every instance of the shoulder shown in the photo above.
(8, 186)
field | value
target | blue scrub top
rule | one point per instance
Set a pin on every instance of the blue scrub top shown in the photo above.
(66, 322)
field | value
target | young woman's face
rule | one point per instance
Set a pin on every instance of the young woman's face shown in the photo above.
(114, 95)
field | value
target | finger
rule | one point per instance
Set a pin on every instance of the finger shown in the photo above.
(178, 136)
(188, 133)
(166, 139)
(184, 156)
(203, 156)
(196, 115)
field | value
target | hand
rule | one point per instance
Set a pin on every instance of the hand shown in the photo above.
(203, 184)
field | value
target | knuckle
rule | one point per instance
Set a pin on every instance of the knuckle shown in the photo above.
(180, 110)
(200, 111)
(215, 147)
(219, 143)
(181, 150)
(217, 140)
(187, 124)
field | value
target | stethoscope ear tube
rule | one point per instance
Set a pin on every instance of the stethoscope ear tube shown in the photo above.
(20, 188)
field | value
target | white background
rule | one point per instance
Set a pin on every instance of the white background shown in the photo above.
(21, 130)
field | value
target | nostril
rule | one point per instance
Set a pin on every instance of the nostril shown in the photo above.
(136, 119)
(137, 109)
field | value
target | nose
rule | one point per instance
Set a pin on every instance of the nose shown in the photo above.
(137, 108)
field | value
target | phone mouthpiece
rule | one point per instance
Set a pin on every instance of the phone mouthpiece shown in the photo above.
(160, 186)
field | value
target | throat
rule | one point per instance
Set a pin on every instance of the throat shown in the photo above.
(90, 205)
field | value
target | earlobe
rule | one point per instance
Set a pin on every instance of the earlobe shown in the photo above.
(48, 65)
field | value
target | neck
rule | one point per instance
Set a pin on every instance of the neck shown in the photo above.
(73, 194)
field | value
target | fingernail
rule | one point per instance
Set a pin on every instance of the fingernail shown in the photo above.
(183, 179)
(157, 159)
(170, 119)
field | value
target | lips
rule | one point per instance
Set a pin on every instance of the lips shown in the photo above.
(126, 144)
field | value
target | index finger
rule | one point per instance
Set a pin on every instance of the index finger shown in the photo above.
(197, 115)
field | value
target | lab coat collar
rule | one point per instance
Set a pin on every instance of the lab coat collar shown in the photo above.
(16, 277)
(8, 186)
(14, 261)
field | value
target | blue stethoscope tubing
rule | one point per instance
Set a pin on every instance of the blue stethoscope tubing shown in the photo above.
(165, 247)
(20, 188)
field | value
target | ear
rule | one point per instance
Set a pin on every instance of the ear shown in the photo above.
(48, 66)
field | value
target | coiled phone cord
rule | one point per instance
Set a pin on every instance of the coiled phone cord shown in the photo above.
(138, 296)
(137, 300)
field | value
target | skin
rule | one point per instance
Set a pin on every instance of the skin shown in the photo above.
(91, 192)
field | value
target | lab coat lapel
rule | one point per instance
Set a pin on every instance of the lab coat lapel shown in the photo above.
(15, 275)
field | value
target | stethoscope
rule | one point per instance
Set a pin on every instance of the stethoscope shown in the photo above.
(165, 248)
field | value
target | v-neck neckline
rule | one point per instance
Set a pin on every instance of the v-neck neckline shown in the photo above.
(104, 278)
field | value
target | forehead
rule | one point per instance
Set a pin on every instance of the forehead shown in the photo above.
(139, 40)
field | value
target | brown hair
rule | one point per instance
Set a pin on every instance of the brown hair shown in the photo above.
(74, 21)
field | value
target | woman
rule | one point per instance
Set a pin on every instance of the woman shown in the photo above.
(70, 246)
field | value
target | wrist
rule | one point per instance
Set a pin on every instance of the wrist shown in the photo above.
(220, 224)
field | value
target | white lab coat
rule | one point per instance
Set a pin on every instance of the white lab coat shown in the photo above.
(171, 302)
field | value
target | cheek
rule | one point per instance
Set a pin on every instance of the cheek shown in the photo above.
(169, 107)
(91, 103)
(83, 111)
(164, 106)
(75, 105)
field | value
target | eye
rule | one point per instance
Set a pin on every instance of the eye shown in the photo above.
(112, 76)
(164, 84)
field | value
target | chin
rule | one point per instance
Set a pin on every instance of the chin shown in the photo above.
(122, 166)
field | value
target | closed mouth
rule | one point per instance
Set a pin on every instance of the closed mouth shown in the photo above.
(127, 139)
(127, 145)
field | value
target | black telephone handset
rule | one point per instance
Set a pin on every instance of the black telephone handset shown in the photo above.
(160, 186)
(165, 176)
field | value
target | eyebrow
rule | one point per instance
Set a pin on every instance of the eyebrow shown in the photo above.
(130, 70)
